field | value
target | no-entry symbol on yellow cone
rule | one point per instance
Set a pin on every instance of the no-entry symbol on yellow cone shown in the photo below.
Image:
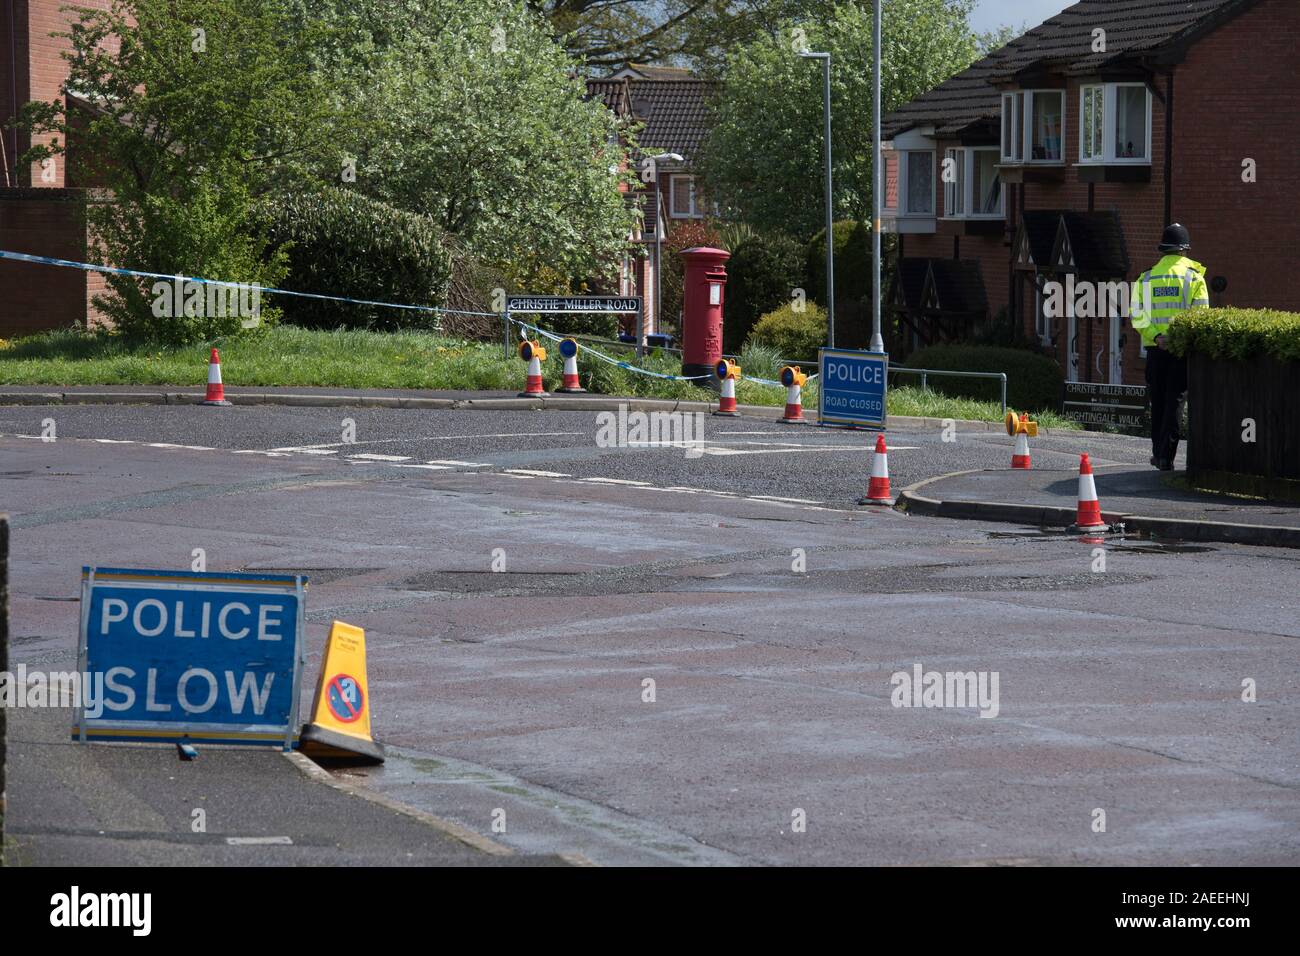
(340, 725)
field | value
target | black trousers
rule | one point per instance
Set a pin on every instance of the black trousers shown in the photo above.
(1166, 376)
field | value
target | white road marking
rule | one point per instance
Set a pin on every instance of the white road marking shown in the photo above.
(386, 441)
(268, 454)
(260, 841)
(102, 441)
(371, 456)
(429, 467)
(308, 450)
(531, 473)
(163, 444)
(452, 462)
(616, 481)
(796, 501)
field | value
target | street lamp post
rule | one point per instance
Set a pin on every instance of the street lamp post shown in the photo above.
(830, 215)
(877, 341)
(659, 243)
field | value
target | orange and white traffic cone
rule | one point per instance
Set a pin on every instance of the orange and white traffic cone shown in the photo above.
(728, 372)
(533, 354)
(216, 391)
(1020, 456)
(1089, 513)
(793, 378)
(878, 486)
(569, 349)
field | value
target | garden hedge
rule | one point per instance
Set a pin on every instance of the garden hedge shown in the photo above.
(1034, 381)
(1237, 334)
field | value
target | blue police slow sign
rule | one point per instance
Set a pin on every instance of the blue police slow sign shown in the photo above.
(202, 656)
(853, 387)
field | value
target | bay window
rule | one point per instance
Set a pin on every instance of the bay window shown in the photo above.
(1115, 125)
(973, 188)
(1033, 126)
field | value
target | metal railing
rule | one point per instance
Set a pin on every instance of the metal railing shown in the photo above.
(925, 374)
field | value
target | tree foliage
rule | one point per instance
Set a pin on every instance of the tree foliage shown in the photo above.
(763, 157)
(609, 33)
(473, 116)
(189, 108)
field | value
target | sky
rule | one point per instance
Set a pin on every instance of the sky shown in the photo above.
(991, 14)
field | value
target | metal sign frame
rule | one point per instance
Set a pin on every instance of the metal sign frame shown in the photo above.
(250, 734)
(838, 418)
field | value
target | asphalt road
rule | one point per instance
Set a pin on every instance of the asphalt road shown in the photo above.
(770, 628)
(742, 455)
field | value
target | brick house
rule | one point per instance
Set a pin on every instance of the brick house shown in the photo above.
(671, 107)
(1190, 112)
(40, 206)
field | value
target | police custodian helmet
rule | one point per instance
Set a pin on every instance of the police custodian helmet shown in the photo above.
(1176, 238)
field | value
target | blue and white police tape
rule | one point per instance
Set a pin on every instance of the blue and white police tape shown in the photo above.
(90, 267)
(632, 368)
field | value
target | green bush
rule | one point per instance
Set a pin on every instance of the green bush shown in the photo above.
(201, 230)
(763, 272)
(344, 244)
(795, 335)
(1237, 333)
(1033, 381)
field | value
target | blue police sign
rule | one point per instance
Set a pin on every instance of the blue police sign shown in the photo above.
(169, 656)
(853, 387)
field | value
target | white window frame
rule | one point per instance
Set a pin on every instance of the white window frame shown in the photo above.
(694, 212)
(965, 155)
(903, 192)
(1109, 116)
(1022, 128)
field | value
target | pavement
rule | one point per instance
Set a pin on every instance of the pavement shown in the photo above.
(1141, 499)
(771, 615)
(121, 805)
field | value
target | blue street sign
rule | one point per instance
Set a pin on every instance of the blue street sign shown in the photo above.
(182, 655)
(853, 386)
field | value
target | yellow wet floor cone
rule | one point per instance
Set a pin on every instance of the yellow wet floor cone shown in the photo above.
(340, 725)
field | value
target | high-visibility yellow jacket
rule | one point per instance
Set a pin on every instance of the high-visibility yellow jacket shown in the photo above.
(1171, 287)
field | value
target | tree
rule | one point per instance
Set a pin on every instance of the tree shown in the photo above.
(609, 33)
(473, 116)
(763, 157)
(193, 106)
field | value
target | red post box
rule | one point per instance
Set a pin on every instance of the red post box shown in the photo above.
(704, 283)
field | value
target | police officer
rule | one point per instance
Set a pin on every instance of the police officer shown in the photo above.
(1160, 295)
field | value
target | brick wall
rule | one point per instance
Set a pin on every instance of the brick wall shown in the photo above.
(992, 252)
(1238, 97)
(1140, 208)
(46, 219)
(44, 222)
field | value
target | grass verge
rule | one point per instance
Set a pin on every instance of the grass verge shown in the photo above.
(287, 356)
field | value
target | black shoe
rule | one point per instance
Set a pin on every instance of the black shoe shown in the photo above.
(1155, 462)
(1165, 465)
